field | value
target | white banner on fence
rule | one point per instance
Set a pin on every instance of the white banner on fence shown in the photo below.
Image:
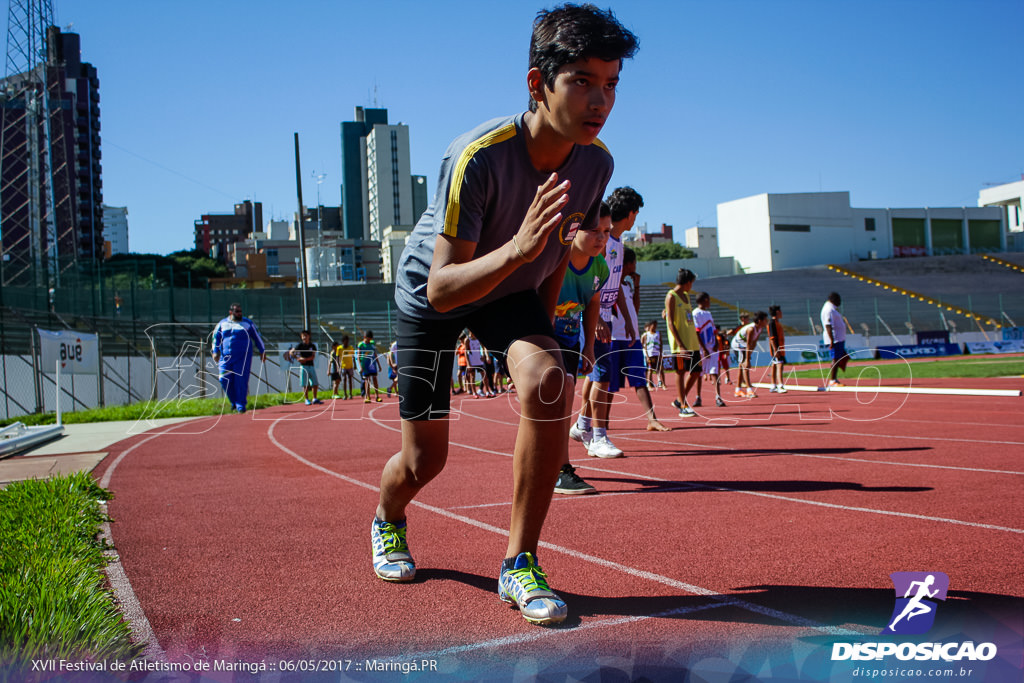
(78, 353)
(1010, 346)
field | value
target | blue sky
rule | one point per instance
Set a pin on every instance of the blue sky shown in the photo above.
(900, 102)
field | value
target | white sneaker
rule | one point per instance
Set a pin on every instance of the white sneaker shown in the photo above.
(602, 447)
(783, 390)
(577, 434)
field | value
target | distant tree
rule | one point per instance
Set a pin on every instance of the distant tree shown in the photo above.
(154, 270)
(199, 263)
(662, 251)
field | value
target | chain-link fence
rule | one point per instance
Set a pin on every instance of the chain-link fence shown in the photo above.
(154, 333)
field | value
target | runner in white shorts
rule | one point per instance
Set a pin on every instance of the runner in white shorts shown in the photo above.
(708, 337)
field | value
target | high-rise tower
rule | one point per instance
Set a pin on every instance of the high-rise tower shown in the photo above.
(50, 197)
(353, 170)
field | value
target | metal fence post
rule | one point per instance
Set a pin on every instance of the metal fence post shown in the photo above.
(99, 377)
(153, 391)
(35, 372)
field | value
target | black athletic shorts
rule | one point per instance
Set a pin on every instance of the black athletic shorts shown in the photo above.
(690, 361)
(571, 360)
(426, 348)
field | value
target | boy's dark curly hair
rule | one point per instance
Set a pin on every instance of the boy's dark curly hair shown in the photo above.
(569, 33)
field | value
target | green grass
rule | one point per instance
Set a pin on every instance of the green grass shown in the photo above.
(54, 600)
(926, 369)
(194, 407)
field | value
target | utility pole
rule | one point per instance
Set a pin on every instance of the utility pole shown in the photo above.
(303, 283)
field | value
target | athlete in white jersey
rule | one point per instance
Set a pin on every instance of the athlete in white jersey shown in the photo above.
(610, 366)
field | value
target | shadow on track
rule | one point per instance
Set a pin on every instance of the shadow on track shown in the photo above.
(788, 486)
(765, 452)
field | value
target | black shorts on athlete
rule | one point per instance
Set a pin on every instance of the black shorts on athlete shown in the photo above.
(426, 348)
(688, 361)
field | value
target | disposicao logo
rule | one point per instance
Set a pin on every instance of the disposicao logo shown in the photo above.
(914, 614)
(916, 593)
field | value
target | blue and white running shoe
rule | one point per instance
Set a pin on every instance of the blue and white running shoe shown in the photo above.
(526, 586)
(391, 558)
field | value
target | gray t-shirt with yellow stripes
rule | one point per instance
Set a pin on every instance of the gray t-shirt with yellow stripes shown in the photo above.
(486, 185)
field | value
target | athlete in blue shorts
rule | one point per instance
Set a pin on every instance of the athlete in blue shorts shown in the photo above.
(579, 305)
(834, 334)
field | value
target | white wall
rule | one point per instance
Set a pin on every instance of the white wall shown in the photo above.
(703, 242)
(866, 242)
(748, 229)
(115, 228)
(656, 272)
(830, 239)
(1011, 197)
(743, 233)
(177, 377)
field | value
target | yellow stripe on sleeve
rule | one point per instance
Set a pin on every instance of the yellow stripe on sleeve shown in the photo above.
(451, 214)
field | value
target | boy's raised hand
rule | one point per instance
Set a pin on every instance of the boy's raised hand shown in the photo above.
(542, 218)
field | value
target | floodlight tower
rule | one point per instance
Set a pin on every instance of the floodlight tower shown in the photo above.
(38, 225)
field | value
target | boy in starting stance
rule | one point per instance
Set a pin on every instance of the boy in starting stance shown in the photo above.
(489, 255)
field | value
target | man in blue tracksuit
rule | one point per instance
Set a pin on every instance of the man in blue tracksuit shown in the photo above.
(233, 341)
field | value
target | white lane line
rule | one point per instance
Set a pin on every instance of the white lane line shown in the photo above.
(740, 451)
(889, 389)
(142, 630)
(891, 436)
(803, 501)
(540, 634)
(955, 423)
(608, 564)
(692, 485)
(793, 453)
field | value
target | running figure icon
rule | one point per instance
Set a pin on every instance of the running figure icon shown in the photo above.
(919, 590)
(915, 607)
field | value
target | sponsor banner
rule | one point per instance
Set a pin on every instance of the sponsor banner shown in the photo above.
(1012, 346)
(909, 251)
(922, 350)
(804, 353)
(933, 337)
(78, 353)
(1013, 333)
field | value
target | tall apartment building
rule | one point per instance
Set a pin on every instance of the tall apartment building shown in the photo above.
(377, 189)
(353, 169)
(215, 232)
(115, 229)
(388, 181)
(62, 91)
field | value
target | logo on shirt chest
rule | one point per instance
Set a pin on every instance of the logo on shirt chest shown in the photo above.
(567, 230)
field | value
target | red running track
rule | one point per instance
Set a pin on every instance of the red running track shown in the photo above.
(747, 539)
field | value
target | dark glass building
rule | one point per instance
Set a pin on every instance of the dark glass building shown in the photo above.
(64, 93)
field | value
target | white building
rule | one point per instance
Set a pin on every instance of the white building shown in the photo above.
(774, 231)
(391, 247)
(115, 228)
(278, 230)
(703, 242)
(1009, 196)
(388, 190)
